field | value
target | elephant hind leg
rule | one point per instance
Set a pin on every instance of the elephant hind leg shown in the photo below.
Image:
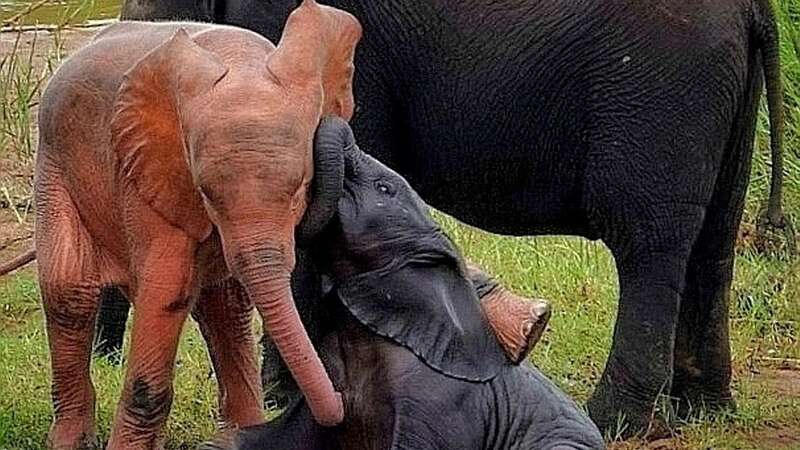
(702, 345)
(702, 360)
(70, 286)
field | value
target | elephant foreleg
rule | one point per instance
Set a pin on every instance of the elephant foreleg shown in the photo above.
(224, 313)
(162, 301)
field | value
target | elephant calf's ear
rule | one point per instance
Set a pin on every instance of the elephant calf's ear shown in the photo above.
(432, 311)
(146, 130)
(316, 41)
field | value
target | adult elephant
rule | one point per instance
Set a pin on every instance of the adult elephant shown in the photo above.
(627, 121)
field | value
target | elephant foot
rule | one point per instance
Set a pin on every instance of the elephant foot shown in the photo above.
(775, 235)
(72, 435)
(620, 415)
(518, 322)
(692, 400)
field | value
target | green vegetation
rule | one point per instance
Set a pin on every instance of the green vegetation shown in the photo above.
(576, 275)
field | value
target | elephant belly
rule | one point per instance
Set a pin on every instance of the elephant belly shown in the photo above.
(499, 126)
(502, 181)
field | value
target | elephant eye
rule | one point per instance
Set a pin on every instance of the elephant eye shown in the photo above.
(384, 188)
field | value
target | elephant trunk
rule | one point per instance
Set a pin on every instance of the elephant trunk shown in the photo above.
(333, 135)
(264, 269)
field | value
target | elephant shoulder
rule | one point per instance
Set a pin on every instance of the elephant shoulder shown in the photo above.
(550, 415)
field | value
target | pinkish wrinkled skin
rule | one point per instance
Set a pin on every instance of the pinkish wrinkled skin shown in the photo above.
(174, 162)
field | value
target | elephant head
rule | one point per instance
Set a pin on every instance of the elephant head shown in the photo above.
(397, 273)
(216, 132)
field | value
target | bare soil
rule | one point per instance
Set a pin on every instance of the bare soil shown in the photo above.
(44, 42)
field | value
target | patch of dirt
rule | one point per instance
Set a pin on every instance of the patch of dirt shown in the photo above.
(784, 382)
(44, 43)
(781, 381)
(14, 236)
(778, 438)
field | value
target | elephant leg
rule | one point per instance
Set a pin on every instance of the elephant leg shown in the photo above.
(702, 346)
(651, 264)
(110, 328)
(224, 313)
(70, 289)
(162, 301)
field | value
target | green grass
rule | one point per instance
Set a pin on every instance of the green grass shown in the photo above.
(577, 276)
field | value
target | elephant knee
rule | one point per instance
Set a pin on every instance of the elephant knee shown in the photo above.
(70, 307)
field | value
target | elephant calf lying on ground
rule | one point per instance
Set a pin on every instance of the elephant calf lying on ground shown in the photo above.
(407, 344)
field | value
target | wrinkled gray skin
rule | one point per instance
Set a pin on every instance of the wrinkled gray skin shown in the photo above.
(403, 404)
(406, 342)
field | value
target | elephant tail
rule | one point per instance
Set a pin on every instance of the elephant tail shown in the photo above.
(18, 262)
(766, 34)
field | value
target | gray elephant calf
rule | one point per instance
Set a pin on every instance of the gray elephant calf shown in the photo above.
(407, 343)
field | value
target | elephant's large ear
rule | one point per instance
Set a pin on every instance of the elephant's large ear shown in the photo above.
(433, 311)
(317, 46)
(146, 130)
